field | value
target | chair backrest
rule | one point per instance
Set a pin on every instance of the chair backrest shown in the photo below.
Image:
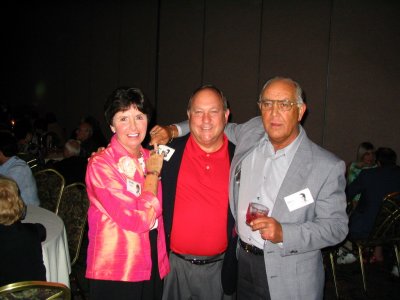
(395, 196)
(31, 160)
(50, 184)
(35, 290)
(393, 232)
(73, 210)
(388, 218)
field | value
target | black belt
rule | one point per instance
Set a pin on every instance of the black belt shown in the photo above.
(197, 261)
(250, 248)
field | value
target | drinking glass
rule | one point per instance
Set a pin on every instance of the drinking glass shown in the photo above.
(256, 210)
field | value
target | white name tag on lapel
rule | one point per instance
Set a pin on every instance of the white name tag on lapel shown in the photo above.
(299, 199)
(133, 187)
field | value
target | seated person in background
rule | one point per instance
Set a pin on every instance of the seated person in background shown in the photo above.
(365, 160)
(55, 128)
(23, 133)
(73, 166)
(373, 184)
(98, 135)
(17, 169)
(89, 142)
(21, 249)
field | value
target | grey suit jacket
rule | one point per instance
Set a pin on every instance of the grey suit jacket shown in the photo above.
(295, 269)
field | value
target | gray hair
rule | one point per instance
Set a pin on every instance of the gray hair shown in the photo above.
(298, 91)
(73, 147)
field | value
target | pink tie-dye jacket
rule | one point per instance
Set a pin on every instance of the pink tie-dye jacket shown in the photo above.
(119, 221)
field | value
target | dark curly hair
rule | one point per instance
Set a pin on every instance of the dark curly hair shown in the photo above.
(122, 98)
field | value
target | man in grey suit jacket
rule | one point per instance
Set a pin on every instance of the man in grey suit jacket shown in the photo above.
(287, 165)
(275, 164)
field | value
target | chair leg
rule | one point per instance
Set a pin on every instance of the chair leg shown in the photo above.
(362, 268)
(78, 288)
(334, 273)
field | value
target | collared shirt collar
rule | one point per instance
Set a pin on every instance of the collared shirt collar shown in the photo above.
(289, 151)
(219, 153)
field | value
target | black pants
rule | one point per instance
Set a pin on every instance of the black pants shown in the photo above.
(252, 277)
(141, 290)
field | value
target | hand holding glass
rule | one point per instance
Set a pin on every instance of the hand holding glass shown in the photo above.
(256, 210)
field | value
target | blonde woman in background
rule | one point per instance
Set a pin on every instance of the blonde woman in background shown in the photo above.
(365, 160)
(21, 249)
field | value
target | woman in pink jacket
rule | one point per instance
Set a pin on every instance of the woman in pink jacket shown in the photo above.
(126, 256)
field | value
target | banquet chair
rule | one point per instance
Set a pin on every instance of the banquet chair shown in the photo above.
(385, 232)
(73, 208)
(328, 256)
(31, 160)
(50, 184)
(35, 290)
(395, 196)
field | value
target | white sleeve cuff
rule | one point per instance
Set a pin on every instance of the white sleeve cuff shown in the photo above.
(179, 129)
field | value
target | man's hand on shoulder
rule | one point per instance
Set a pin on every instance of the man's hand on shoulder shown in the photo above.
(99, 150)
(163, 135)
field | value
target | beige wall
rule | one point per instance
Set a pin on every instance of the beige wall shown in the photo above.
(345, 54)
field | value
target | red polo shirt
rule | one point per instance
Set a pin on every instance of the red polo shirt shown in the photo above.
(201, 204)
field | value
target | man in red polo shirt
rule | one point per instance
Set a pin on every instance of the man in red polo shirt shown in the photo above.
(198, 222)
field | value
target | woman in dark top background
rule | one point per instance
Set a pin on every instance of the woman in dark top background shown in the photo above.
(21, 250)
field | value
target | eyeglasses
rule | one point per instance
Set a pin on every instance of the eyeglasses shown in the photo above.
(283, 105)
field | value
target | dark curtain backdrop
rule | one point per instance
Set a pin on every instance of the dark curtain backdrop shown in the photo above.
(67, 56)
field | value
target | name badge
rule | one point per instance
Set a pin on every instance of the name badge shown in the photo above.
(299, 199)
(133, 187)
(166, 151)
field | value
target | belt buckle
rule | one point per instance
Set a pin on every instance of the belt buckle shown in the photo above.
(196, 261)
(245, 246)
(248, 248)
